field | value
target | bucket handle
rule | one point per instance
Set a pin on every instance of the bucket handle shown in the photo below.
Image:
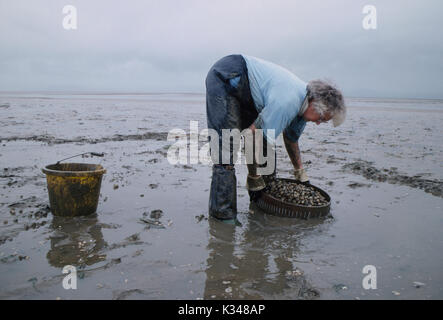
(97, 154)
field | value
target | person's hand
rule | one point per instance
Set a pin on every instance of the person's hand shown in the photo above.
(255, 185)
(300, 175)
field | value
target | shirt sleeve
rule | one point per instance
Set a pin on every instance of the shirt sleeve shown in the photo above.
(295, 129)
(281, 107)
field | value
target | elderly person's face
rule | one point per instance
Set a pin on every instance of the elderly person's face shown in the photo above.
(312, 115)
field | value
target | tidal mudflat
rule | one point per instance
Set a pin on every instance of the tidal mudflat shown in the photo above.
(151, 237)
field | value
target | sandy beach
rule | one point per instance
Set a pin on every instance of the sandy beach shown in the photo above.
(382, 168)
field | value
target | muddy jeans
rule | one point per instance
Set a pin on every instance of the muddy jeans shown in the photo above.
(227, 107)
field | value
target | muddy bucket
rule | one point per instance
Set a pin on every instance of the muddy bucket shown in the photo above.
(73, 188)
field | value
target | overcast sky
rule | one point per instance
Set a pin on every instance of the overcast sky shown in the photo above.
(152, 46)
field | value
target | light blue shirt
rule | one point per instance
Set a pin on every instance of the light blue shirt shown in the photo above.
(278, 96)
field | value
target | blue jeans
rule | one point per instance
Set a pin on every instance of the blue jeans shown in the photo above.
(227, 107)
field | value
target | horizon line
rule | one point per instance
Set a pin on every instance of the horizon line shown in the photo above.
(108, 92)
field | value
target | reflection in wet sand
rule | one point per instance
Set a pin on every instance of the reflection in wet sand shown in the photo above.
(76, 241)
(256, 261)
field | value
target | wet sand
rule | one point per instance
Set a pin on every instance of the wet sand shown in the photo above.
(151, 237)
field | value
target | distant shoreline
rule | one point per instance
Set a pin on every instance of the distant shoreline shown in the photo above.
(101, 93)
(122, 93)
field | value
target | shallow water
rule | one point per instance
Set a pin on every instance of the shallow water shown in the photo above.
(394, 224)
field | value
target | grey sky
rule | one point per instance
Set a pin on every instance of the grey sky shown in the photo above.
(151, 46)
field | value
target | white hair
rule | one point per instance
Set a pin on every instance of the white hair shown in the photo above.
(327, 98)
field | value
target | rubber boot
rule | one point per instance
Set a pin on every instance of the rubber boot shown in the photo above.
(223, 193)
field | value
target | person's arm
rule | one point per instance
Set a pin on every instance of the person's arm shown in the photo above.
(294, 152)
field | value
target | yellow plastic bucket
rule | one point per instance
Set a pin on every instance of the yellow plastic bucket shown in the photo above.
(73, 188)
